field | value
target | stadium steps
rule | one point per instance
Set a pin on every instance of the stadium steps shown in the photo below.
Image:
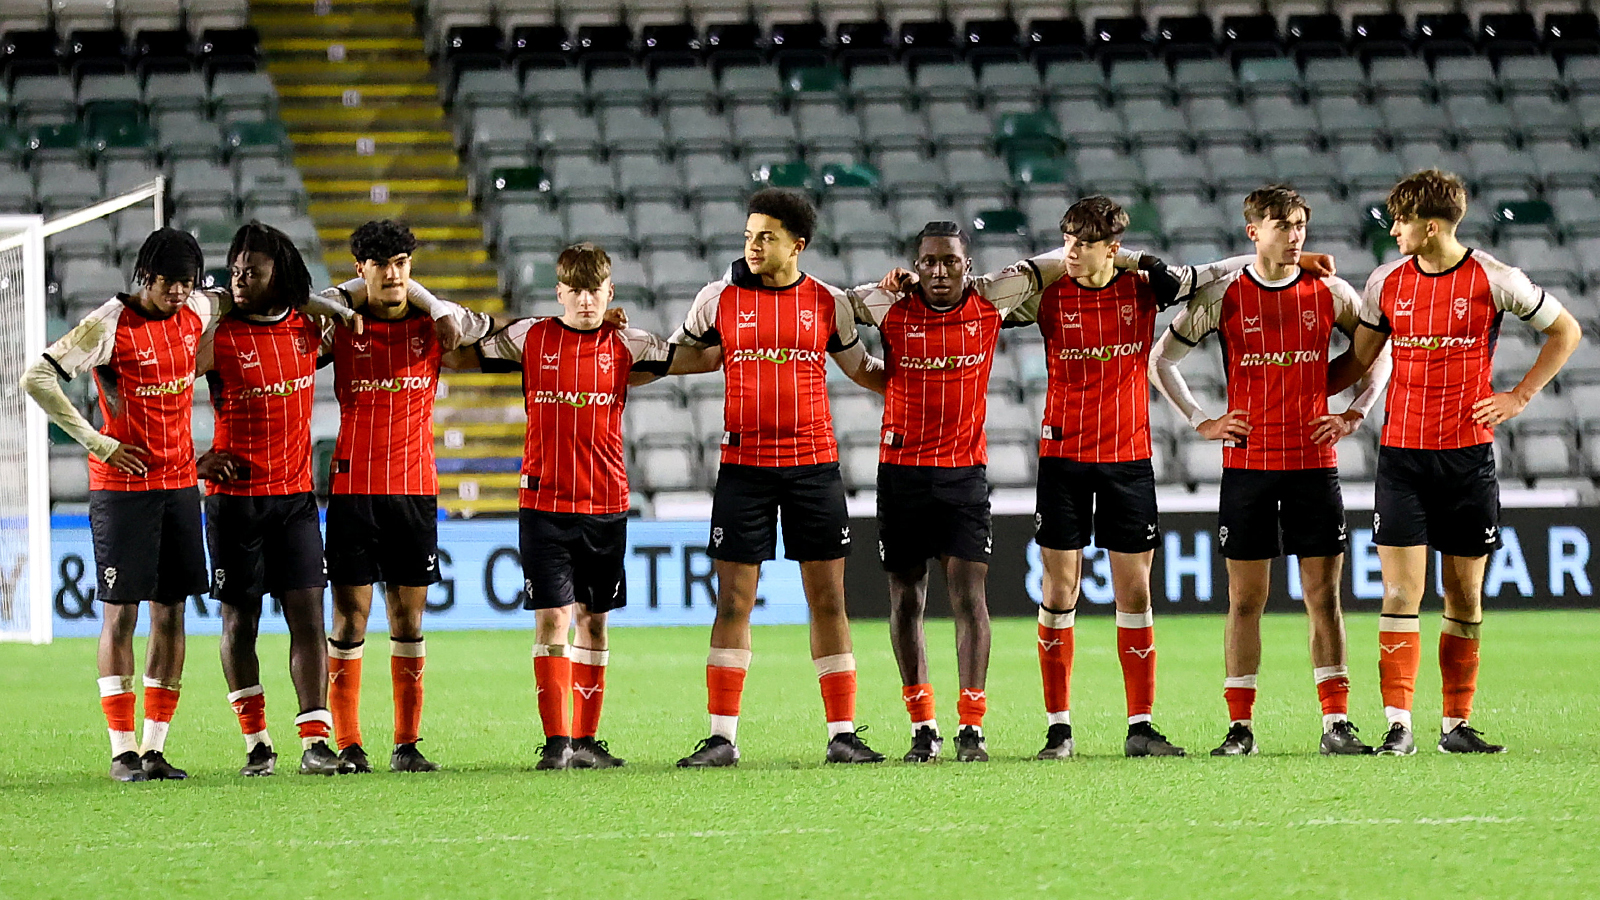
(357, 92)
(478, 430)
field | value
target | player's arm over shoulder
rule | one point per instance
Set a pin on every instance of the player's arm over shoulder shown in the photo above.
(699, 328)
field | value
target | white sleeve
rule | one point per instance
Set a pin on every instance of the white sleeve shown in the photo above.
(650, 353)
(1515, 293)
(508, 342)
(1201, 315)
(1347, 304)
(40, 382)
(89, 344)
(1372, 384)
(1194, 322)
(699, 328)
(871, 303)
(845, 334)
(1372, 299)
(210, 306)
(1010, 288)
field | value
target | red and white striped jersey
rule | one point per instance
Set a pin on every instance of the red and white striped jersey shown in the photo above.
(1097, 346)
(1275, 350)
(575, 383)
(262, 372)
(775, 346)
(1443, 328)
(144, 369)
(386, 379)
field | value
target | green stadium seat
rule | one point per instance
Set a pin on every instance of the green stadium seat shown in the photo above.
(1144, 224)
(121, 139)
(784, 175)
(258, 138)
(521, 183)
(996, 222)
(1039, 168)
(1035, 132)
(12, 145)
(1525, 212)
(815, 83)
(55, 141)
(850, 175)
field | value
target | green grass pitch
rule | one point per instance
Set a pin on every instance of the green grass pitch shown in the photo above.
(1287, 823)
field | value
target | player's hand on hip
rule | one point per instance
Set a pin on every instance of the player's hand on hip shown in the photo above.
(616, 317)
(126, 458)
(1231, 427)
(1334, 427)
(217, 465)
(1497, 408)
(448, 331)
(1319, 264)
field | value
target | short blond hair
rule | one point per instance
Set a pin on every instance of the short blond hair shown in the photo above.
(583, 267)
(1429, 194)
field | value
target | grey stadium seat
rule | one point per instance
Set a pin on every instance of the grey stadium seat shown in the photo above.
(1086, 122)
(1390, 76)
(890, 125)
(631, 130)
(598, 222)
(710, 176)
(883, 84)
(1476, 119)
(1465, 76)
(646, 176)
(1075, 78)
(1152, 123)
(1336, 77)
(860, 223)
(1136, 78)
(619, 87)
(1529, 75)
(568, 135)
(1168, 169)
(1410, 118)
(1204, 78)
(582, 178)
(827, 126)
(1218, 121)
(1010, 81)
(1282, 121)
(1345, 120)
(908, 173)
(176, 90)
(696, 128)
(955, 125)
(685, 85)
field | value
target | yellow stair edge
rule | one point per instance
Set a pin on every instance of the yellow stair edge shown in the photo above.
(426, 234)
(268, 21)
(417, 68)
(320, 44)
(469, 508)
(483, 379)
(395, 185)
(420, 91)
(487, 432)
(488, 480)
(392, 209)
(379, 138)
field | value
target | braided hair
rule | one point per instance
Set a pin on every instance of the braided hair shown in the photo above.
(291, 281)
(171, 254)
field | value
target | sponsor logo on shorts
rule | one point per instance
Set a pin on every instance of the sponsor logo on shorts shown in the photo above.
(1433, 342)
(882, 557)
(392, 385)
(1281, 358)
(433, 561)
(285, 388)
(1104, 353)
(175, 386)
(576, 399)
(1490, 533)
(844, 535)
(940, 363)
(781, 356)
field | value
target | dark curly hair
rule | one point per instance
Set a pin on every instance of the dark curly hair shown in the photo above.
(171, 254)
(790, 208)
(382, 241)
(943, 230)
(290, 279)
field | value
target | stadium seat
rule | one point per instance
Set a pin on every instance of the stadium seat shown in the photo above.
(688, 86)
(1567, 34)
(1139, 78)
(1003, 81)
(1053, 40)
(663, 226)
(733, 44)
(1529, 75)
(1215, 121)
(1379, 35)
(892, 126)
(1410, 119)
(881, 84)
(1445, 34)
(1152, 123)
(1504, 35)
(799, 44)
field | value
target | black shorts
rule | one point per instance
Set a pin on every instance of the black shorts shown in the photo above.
(1447, 499)
(926, 512)
(1111, 504)
(749, 499)
(262, 545)
(1266, 514)
(388, 538)
(573, 558)
(148, 545)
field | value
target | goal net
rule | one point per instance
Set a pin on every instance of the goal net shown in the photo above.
(25, 558)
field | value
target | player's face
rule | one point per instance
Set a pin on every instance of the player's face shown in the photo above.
(1413, 234)
(1086, 259)
(164, 295)
(587, 308)
(387, 281)
(769, 248)
(942, 269)
(250, 275)
(1280, 240)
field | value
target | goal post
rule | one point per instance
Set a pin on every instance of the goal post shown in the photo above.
(26, 613)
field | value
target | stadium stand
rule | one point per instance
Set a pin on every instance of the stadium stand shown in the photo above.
(646, 133)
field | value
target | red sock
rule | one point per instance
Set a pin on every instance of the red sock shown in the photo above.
(1239, 691)
(971, 706)
(1399, 657)
(160, 703)
(1136, 648)
(1055, 659)
(118, 708)
(1333, 689)
(837, 677)
(588, 690)
(252, 711)
(314, 726)
(552, 675)
(1458, 669)
(919, 702)
(406, 660)
(724, 688)
(344, 691)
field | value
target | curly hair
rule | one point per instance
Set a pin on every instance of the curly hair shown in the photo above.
(290, 279)
(943, 230)
(382, 241)
(790, 208)
(171, 254)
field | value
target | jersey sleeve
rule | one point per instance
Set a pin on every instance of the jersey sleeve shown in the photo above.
(1516, 293)
(89, 344)
(699, 328)
(1201, 315)
(1372, 301)
(650, 353)
(870, 303)
(1012, 288)
(1347, 304)
(505, 346)
(210, 305)
(845, 334)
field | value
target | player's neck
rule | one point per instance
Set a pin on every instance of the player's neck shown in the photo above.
(783, 277)
(1097, 278)
(572, 323)
(388, 313)
(1445, 254)
(1273, 271)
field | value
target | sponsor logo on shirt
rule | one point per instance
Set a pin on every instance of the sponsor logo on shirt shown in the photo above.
(777, 356)
(249, 360)
(147, 357)
(1104, 353)
(173, 387)
(575, 399)
(1071, 320)
(1433, 342)
(936, 363)
(392, 385)
(1280, 358)
(1402, 308)
(286, 388)
(747, 319)
(1252, 325)
(550, 361)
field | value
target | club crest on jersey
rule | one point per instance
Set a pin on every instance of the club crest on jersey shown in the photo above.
(1308, 317)
(972, 329)
(1459, 307)
(1252, 325)
(418, 346)
(248, 360)
(1070, 320)
(1127, 314)
(1402, 307)
(188, 342)
(302, 345)
(147, 357)
(604, 361)
(806, 318)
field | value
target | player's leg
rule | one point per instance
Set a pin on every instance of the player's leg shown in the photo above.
(233, 536)
(1125, 525)
(602, 586)
(744, 533)
(114, 658)
(969, 604)
(182, 568)
(124, 545)
(904, 503)
(816, 534)
(1064, 520)
(407, 658)
(1464, 525)
(1400, 530)
(352, 532)
(295, 575)
(547, 541)
(1247, 532)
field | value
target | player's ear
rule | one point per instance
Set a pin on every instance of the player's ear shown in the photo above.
(799, 244)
